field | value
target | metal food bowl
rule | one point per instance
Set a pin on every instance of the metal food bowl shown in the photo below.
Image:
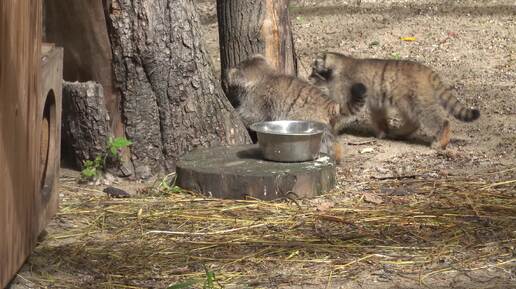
(289, 140)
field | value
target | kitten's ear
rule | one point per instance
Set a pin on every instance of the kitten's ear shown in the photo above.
(235, 78)
(258, 56)
(319, 63)
(257, 60)
(232, 76)
(320, 68)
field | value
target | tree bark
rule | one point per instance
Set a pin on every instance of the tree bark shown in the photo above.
(171, 101)
(255, 26)
(80, 27)
(85, 121)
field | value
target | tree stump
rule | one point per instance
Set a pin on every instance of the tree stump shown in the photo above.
(86, 128)
(238, 172)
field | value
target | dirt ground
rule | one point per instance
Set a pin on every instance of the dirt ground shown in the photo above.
(472, 44)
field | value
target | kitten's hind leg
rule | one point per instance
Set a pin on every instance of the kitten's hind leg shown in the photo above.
(331, 146)
(442, 138)
(436, 126)
(409, 120)
(379, 121)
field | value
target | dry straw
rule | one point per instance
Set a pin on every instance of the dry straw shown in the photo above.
(421, 227)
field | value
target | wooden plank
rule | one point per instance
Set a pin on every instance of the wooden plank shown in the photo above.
(49, 127)
(20, 49)
(237, 172)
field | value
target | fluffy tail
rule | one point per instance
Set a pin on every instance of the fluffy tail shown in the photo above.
(448, 100)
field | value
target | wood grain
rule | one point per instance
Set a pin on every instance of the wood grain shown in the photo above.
(239, 172)
(23, 209)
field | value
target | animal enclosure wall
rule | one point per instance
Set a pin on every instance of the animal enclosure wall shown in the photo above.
(30, 109)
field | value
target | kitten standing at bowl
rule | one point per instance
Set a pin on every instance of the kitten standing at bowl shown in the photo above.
(260, 93)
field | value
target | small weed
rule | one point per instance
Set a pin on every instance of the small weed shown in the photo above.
(166, 187)
(395, 55)
(116, 144)
(93, 168)
(208, 282)
(300, 18)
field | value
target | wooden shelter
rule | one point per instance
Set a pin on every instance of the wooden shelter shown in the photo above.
(30, 110)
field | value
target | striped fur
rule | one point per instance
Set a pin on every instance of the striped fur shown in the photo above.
(447, 99)
(263, 94)
(412, 88)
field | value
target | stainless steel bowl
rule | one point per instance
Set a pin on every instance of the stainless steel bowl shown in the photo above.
(289, 140)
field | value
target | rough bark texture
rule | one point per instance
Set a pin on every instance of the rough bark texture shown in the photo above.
(255, 26)
(80, 27)
(172, 103)
(85, 120)
(239, 172)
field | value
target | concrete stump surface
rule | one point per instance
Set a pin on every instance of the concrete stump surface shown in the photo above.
(237, 172)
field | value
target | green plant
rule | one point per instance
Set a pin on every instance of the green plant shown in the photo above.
(116, 144)
(209, 282)
(167, 187)
(92, 168)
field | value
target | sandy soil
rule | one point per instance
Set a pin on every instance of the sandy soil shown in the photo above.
(472, 44)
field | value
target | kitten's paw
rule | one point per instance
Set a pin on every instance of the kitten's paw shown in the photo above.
(443, 139)
(438, 146)
(338, 153)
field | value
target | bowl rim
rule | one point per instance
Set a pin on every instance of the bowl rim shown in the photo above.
(257, 127)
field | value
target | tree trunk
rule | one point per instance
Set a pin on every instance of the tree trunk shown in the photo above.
(81, 29)
(171, 102)
(255, 26)
(85, 121)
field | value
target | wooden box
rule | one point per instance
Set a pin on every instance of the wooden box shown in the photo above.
(30, 110)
